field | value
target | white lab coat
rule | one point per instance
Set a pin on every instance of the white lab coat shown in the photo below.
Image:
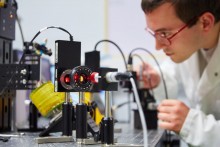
(202, 124)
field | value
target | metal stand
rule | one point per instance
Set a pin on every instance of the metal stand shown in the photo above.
(107, 124)
(85, 124)
(65, 123)
(50, 139)
(67, 116)
(107, 127)
(81, 120)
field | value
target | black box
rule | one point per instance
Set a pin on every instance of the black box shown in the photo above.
(67, 56)
(92, 60)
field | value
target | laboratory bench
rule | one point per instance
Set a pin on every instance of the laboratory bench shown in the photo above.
(125, 134)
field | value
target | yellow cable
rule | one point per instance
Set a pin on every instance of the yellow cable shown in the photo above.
(45, 99)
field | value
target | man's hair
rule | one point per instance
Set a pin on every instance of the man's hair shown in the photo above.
(186, 10)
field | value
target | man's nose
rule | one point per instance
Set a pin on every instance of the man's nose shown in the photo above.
(159, 45)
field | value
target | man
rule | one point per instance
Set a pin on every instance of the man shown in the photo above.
(188, 32)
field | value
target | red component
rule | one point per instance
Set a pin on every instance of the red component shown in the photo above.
(67, 79)
(76, 77)
(94, 77)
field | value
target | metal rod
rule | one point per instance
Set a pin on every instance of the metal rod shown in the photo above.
(107, 104)
(81, 97)
(67, 97)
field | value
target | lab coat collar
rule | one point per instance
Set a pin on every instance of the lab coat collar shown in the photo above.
(210, 77)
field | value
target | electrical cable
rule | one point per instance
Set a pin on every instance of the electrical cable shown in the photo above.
(148, 78)
(18, 21)
(136, 55)
(20, 28)
(114, 107)
(124, 77)
(161, 73)
(105, 40)
(43, 29)
(141, 113)
(168, 133)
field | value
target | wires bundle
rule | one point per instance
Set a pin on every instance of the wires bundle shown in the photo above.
(46, 100)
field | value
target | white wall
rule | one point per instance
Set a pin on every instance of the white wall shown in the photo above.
(89, 21)
(84, 19)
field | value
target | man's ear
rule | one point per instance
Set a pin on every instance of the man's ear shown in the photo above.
(207, 21)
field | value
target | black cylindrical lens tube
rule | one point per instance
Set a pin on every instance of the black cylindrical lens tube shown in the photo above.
(67, 118)
(81, 121)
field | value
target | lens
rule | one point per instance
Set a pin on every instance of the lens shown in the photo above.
(80, 80)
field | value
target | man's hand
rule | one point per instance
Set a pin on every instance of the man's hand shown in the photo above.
(149, 76)
(172, 114)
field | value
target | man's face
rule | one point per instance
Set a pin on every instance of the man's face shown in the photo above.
(164, 22)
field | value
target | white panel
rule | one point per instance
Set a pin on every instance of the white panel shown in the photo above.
(82, 18)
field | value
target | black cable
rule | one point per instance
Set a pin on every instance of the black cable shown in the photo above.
(164, 83)
(117, 48)
(18, 21)
(35, 36)
(20, 28)
(120, 105)
(138, 57)
(149, 79)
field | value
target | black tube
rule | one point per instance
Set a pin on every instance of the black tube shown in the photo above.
(81, 121)
(33, 116)
(67, 119)
(107, 131)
